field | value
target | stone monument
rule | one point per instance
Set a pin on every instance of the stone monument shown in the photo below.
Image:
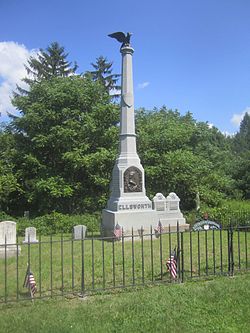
(128, 204)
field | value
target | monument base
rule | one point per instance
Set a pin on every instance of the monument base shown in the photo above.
(31, 242)
(127, 220)
(140, 220)
(11, 251)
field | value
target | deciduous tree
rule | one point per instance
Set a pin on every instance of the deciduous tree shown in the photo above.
(65, 144)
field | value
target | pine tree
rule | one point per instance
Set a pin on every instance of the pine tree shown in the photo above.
(49, 63)
(242, 138)
(241, 144)
(103, 74)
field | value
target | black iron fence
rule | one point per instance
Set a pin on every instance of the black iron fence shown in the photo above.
(62, 265)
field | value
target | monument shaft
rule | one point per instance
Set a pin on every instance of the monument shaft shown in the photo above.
(127, 118)
(128, 175)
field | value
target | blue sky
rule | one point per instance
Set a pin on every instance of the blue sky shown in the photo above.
(189, 55)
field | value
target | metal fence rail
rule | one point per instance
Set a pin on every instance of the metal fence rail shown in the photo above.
(64, 266)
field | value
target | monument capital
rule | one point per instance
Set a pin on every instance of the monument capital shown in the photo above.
(127, 50)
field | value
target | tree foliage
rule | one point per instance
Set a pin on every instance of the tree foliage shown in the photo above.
(103, 74)
(49, 63)
(65, 144)
(242, 138)
(184, 156)
(241, 144)
(9, 187)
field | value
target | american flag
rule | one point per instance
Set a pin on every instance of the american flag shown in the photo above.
(160, 228)
(118, 232)
(29, 282)
(172, 264)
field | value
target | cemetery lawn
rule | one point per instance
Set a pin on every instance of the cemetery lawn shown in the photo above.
(218, 305)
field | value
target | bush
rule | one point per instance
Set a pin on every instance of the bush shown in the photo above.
(5, 217)
(56, 223)
(228, 212)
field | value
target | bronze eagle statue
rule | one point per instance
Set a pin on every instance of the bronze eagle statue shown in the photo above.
(121, 37)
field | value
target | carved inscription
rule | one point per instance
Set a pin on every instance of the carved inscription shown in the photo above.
(135, 206)
(132, 180)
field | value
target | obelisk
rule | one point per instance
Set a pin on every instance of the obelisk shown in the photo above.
(128, 204)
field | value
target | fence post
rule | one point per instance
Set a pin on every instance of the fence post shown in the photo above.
(142, 256)
(161, 260)
(182, 259)
(178, 251)
(83, 265)
(5, 269)
(17, 273)
(230, 250)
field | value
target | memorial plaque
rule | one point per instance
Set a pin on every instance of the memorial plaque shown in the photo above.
(206, 225)
(132, 180)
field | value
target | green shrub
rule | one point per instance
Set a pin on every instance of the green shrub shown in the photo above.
(56, 223)
(229, 212)
(6, 217)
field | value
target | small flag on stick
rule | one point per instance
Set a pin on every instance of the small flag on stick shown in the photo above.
(172, 264)
(118, 232)
(159, 229)
(29, 282)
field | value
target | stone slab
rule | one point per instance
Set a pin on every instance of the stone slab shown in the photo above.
(79, 231)
(30, 235)
(8, 246)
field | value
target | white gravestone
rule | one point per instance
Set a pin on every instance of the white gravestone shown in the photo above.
(173, 202)
(8, 244)
(79, 231)
(159, 202)
(30, 235)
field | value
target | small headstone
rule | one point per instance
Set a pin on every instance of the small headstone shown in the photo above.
(8, 239)
(173, 202)
(79, 231)
(159, 202)
(30, 235)
(26, 214)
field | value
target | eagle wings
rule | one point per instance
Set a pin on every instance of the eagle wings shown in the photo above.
(121, 37)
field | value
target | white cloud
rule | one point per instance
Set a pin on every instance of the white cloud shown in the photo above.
(237, 117)
(210, 125)
(142, 85)
(226, 133)
(13, 56)
(114, 92)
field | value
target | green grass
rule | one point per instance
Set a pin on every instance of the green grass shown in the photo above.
(58, 272)
(219, 305)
